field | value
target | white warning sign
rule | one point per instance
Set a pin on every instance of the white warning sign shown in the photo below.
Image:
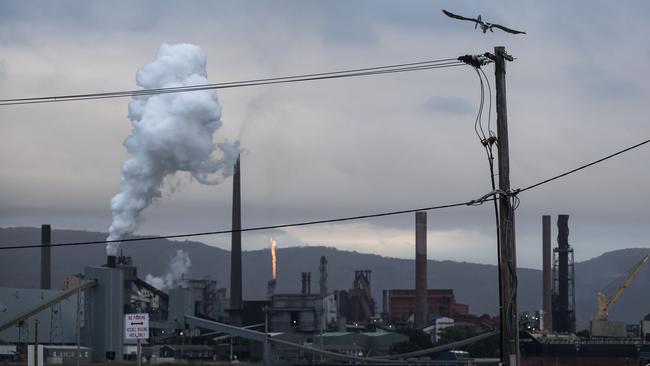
(136, 326)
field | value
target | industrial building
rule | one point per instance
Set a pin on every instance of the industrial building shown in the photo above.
(8, 353)
(437, 327)
(295, 313)
(356, 305)
(88, 315)
(90, 309)
(85, 320)
(56, 324)
(91, 306)
(399, 304)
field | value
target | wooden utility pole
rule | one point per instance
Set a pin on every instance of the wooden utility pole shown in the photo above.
(139, 352)
(507, 255)
(77, 362)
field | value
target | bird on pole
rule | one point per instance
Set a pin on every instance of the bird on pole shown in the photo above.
(485, 26)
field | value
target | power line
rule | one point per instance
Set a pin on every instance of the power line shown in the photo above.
(583, 166)
(485, 198)
(368, 71)
(212, 86)
(255, 228)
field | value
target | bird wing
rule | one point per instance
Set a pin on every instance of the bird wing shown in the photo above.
(452, 15)
(507, 29)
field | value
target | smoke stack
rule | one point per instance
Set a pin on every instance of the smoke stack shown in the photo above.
(563, 264)
(306, 283)
(564, 294)
(384, 305)
(547, 274)
(323, 276)
(270, 289)
(420, 270)
(46, 262)
(111, 261)
(235, 251)
(303, 282)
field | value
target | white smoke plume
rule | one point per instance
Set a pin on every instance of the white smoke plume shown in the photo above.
(177, 270)
(171, 133)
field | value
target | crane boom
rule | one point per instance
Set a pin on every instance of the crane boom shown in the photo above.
(604, 304)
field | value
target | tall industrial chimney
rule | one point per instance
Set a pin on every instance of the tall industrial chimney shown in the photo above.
(111, 261)
(308, 283)
(323, 276)
(547, 274)
(235, 251)
(384, 305)
(563, 293)
(303, 282)
(46, 262)
(270, 289)
(420, 269)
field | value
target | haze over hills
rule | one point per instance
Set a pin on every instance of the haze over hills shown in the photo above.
(473, 284)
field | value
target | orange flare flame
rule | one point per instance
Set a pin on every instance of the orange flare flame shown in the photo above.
(274, 258)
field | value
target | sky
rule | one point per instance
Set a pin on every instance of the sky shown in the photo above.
(317, 150)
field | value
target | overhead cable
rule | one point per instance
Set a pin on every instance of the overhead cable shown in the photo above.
(583, 166)
(255, 228)
(484, 198)
(368, 71)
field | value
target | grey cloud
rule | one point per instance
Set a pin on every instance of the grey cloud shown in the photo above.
(336, 21)
(3, 70)
(335, 148)
(31, 21)
(449, 105)
(602, 83)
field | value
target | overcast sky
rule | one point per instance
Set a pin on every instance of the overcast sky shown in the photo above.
(577, 91)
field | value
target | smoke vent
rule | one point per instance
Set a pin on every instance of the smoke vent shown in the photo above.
(547, 274)
(563, 280)
(46, 261)
(323, 276)
(235, 253)
(270, 289)
(384, 306)
(111, 261)
(420, 269)
(306, 283)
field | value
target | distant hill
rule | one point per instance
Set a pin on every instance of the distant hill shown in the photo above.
(474, 284)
